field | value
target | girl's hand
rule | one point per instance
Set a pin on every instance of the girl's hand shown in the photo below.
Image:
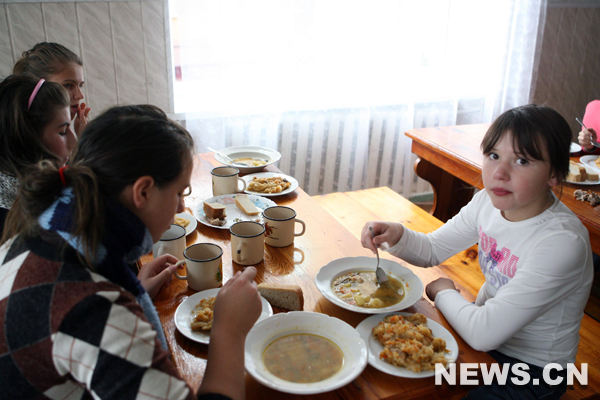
(81, 119)
(437, 286)
(384, 232)
(584, 139)
(157, 273)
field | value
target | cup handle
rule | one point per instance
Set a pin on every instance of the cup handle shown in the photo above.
(303, 227)
(243, 185)
(181, 278)
(239, 252)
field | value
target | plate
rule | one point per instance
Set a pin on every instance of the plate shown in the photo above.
(365, 329)
(588, 161)
(293, 181)
(575, 148)
(184, 311)
(192, 222)
(232, 211)
(263, 153)
(334, 329)
(412, 283)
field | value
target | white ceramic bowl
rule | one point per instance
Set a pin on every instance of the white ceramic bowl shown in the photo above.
(264, 153)
(413, 286)
(266, 331)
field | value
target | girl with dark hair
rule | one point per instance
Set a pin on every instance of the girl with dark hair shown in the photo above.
(54, 62)
(77, 322)
(534, 252)
(34, 126)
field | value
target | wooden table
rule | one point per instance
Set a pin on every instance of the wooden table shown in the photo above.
(325, 240)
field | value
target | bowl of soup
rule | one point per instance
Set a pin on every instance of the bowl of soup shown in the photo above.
(256, 158)
(304, 352)
(351, 284)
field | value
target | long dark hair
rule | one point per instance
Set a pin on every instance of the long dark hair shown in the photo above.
(21, 127)
(45, 59)
(118, 147)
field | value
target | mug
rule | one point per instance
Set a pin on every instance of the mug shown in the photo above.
(247, 242)
(225, 181)
(280, 224)
(172, 242)
(204, 266)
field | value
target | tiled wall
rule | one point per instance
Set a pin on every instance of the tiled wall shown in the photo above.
(123, 45)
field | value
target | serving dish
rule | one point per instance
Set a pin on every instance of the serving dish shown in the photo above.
(293, 183)
(184, 312)
(365, 329)
(234, 214)
(192, 222)
(257, 152)
(294, 322)
(413, 286)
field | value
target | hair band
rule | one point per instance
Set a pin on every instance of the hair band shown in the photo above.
(35, 92)
(61, 172)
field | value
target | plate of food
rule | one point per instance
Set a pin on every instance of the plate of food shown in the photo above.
(584, 173)
(400, 330)
(351, 284)
(225, 210)
(270, 184)
(255, 157)
(193, 317)
(188, 221)
(304, 352)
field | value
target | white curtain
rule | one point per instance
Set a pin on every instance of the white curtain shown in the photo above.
(334, 84)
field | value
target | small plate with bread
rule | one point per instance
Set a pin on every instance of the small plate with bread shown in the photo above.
(585, 173)
(225, 210)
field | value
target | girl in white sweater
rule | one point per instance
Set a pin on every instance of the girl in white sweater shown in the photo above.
(534, 252)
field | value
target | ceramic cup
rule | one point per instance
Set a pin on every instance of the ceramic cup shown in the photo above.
(280, 225)
(204, 264)
(247, 242)
(172, 242)
(225, 180)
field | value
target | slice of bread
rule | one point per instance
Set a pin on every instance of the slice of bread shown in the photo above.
(289, 297)
(215, 210)
(576, 172)
(591, 174)
(246, 205)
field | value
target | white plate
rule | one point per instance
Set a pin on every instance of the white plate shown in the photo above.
(413, 287)
(232, 211)
(184, 313)
(293, 181)
(575, 148)
(336, 330)
(365, 329)
(260, 152)
(192, 222)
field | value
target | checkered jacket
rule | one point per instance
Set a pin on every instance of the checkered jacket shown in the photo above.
(68, 333)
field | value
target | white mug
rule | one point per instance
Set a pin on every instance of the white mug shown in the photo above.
(280, 225)
(225, 181)
(247, 242)
(172, 242)
(204, 264)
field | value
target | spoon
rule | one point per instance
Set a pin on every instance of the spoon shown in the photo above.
(231, 162)
(379, 272)
(595, 143)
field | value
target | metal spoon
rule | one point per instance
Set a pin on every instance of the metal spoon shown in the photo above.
(595, 143)
(379, 272)
(231, 162)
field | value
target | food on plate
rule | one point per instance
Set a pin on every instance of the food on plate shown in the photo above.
(181, 221)
(275, 184)
(289, 297)
(597, 162)
(215, 213)
(576, 172)
(303, 358)
(592, 197)
(244, 203)
(202, 315)
(251, 162)
(409, 343)
(590, 174)
(360, 289)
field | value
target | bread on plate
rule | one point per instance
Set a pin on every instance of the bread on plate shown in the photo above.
(289, 297)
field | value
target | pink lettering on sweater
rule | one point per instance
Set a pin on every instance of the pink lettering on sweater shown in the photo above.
(494, 261)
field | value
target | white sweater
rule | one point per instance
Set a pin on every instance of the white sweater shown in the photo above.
(538, 276)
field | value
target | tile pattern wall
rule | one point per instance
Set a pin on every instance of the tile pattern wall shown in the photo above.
(123, 45)
(569, 68)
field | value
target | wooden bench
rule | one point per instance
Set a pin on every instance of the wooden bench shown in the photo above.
(354, 209)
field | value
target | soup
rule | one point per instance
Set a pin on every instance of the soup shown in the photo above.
(251, 162)
(361, 289)
(303, 358)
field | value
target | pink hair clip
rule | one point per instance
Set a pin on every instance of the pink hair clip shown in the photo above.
(35, 92)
